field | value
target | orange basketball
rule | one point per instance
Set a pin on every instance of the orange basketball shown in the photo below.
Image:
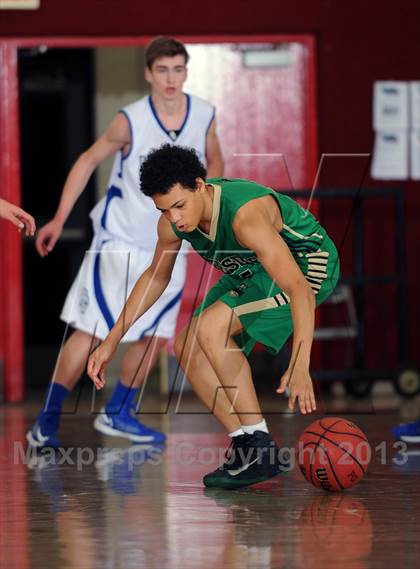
(333, 454)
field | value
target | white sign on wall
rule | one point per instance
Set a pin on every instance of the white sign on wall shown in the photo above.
(415, 154)
(19, 4)
(390, 105)
(390, 156)
(396, 122)
(415, 104)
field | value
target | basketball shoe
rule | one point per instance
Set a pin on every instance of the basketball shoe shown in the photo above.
(39, 440)
(407, 432)
(125, 425)
(250, 459)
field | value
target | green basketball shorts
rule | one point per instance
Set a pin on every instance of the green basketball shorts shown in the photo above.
(263, 308)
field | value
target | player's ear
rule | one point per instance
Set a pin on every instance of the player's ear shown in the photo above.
(200, 185)
(147, 74)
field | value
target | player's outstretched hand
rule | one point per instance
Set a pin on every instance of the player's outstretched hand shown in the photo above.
(48, 236)
(18, 217)
(299, 383)
(97, 363)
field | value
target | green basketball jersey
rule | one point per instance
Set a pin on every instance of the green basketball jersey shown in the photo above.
(302, 233)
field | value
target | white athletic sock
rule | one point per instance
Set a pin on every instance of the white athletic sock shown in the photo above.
(236, 433)
(250, 429)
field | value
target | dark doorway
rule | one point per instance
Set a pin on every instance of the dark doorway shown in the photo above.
(57, 124)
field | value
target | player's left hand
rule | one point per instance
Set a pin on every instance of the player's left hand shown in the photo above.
(18, 217)
(300, 386)
(98, 362)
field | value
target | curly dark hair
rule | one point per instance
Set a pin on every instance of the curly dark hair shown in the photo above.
(169, 165)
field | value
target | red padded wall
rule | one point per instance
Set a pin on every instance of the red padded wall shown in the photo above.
(357, 42)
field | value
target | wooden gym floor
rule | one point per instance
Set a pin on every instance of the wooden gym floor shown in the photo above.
(106, 504)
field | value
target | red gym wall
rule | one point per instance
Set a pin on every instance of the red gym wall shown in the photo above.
(357, 43)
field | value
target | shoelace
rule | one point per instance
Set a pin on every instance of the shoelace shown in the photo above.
(229, 450)
(234, 443)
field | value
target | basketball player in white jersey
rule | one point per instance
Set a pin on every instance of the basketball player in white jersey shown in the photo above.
(125, 226)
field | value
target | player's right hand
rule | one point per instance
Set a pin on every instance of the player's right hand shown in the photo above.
(97, 363)
(19, 217)
(301, 390)
(47, 237)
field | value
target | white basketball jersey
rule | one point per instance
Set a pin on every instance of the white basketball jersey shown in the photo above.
(125, 212)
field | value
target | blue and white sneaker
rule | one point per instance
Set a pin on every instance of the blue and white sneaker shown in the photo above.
(37, 440)
(126, 426)
(407, 432)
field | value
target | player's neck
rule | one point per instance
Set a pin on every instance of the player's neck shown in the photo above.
(170, 108)
(208, 198)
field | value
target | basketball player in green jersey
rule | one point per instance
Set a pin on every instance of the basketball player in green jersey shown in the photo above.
(278, 264)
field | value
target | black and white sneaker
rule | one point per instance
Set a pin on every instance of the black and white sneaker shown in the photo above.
(250, 460)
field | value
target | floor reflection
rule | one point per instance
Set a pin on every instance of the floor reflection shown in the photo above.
(103, 503)
(335, 530)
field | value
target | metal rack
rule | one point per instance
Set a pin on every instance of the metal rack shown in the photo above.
(359, 380)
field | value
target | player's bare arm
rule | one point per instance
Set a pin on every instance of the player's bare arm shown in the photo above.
(116, 137)
(145, 293)
(256, 226)
(214, 156)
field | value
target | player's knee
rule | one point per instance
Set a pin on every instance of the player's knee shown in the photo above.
(216, 324)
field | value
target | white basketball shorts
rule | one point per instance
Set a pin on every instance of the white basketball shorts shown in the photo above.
(105, 279)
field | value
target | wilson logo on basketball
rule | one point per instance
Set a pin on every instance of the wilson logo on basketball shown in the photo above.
(322, 475)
